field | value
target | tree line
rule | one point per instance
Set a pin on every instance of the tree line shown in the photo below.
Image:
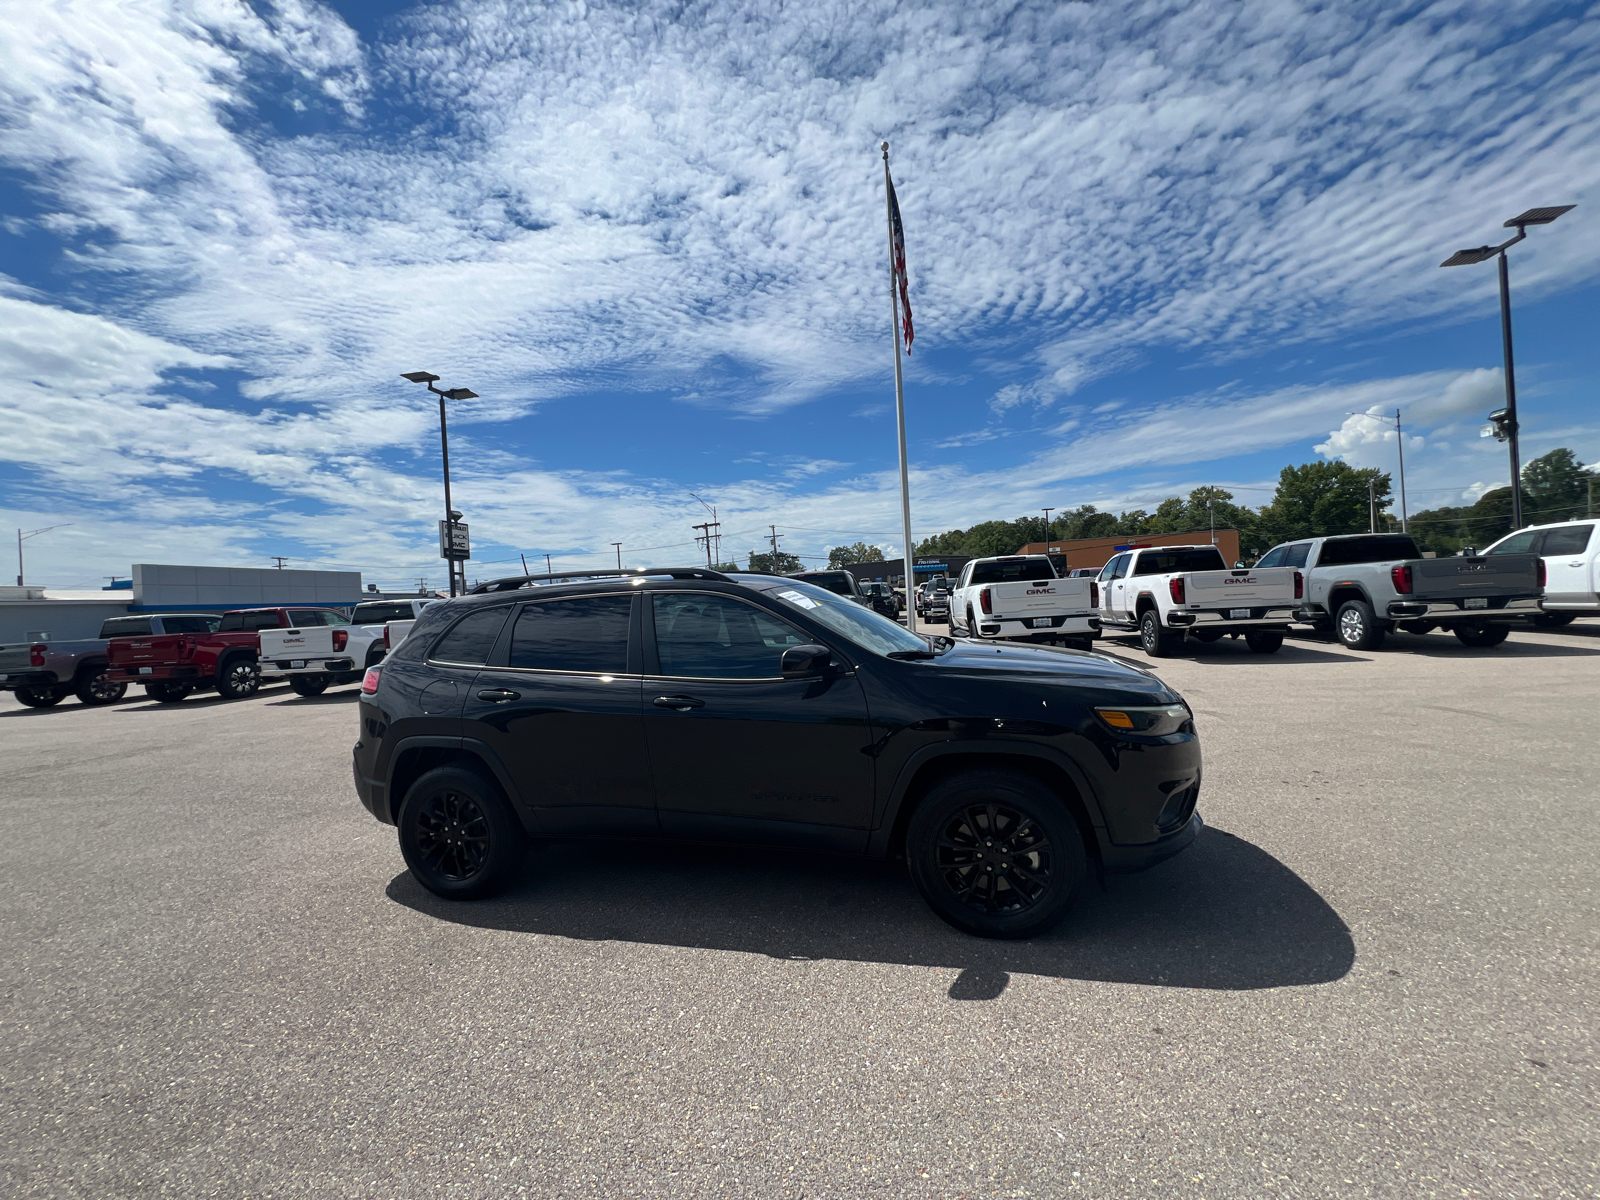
(1315, 499)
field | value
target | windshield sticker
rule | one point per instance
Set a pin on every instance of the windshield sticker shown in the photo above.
(798, 600)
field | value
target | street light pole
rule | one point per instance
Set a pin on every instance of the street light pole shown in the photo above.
(1047, 513)
(618, 545)
(1462, 258)
(22, 537)
(450, 514)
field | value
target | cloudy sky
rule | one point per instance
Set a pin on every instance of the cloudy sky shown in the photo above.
(1152, 245)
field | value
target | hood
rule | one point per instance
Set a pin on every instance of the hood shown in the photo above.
(1063, 666)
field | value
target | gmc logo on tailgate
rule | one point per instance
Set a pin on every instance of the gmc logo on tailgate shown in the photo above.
(1041, 591)
(1250, 579)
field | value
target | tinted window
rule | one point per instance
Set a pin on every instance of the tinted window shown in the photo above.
(1110, 569)
(124, 627)
(248, 622)
(1273, 557)
(1015, 571)
(586, 633)
(305, 618)
(471, 638)
(715, 637)
(329, 617)
(1569, 539)
(1345, 552)
(1295, 555)
(837, 582)
(1517, 543)
(196, 624)
(379, 614)
(1168, 562)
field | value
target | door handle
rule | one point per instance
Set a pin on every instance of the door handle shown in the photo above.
(680, 703)
(499, 695)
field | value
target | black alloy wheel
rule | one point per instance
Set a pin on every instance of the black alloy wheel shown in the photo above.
(1264, 641)
(308, 685)
(459, 835)
(1156, 641)
(1482, 636)
(167, 693)
(996, 854)
(238, 678)
(1357, 626)
(40, 697)
(97, 687)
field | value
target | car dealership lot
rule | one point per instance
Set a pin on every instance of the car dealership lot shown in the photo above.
(1375, 974)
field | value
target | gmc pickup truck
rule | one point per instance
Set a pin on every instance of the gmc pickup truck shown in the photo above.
(1019, 598)
(1362, 586)
(1171, 593)
(172, 666)
(324, 649)
(45, 673)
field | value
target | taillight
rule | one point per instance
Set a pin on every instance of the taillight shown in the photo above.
(985, 602)
(36, 656)
(186, 646)
(386, 643)
(1400, 576)
(341, 638)
(369, 681)
(1175, 586)
(1299, 586)
(1541, 572)
(1094, 595)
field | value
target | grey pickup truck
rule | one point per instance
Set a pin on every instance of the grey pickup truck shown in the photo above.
(44, 673)
(1362, 586)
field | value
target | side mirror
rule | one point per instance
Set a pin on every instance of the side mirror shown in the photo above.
(802, 661)
(1239, 566)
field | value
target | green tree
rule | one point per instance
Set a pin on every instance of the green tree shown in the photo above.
(1555, 487)
(848, 556)
(783, 563)
(1319, 499)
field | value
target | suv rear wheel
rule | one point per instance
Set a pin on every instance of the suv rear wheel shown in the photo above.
(996, 854)
(459, 835)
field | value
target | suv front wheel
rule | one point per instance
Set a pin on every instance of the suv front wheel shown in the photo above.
(459, 835)
(996, 854)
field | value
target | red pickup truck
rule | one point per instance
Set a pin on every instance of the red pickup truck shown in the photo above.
(171, 666)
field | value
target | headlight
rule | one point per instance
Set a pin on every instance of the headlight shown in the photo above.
(1153, 722)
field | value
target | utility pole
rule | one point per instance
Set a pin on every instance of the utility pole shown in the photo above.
(422, 583)
(618, 545)
(1400, 440)
(279, 559)
(524, 559)
(1047, 513)
(1211, 512)
(775, 536)
(707, 527)
(1372, 504)
(548, 569)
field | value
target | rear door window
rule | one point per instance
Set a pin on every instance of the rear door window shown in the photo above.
(717, 637)
(188, 624)
(1295, 555)
(248, 622)
(584, 633)
(1569, 539)
(1273, 557)
(470, 639)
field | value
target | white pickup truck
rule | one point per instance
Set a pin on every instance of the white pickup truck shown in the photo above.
(314, 656)
(1020, 598)
(1170, 593)
(394, 619)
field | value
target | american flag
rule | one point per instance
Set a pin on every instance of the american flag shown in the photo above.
(899, 234)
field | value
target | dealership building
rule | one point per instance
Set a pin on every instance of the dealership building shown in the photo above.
(33, 614)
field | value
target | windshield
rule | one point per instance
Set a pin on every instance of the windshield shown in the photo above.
(848, 619)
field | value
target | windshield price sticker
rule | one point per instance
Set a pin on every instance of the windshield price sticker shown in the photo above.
(798, 599)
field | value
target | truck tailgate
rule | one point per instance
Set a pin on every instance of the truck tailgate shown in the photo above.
(314, 641)
(1272, 586)
(15, 657)
(151, 649)
(1042, 598)
(1460, 578)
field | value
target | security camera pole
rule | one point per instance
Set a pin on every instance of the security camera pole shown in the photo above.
(1507, 423)
(451, 516)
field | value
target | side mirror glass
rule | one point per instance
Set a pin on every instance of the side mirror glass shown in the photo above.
(802, 661)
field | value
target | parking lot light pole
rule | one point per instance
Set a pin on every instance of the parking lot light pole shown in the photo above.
(22, 537)
(1463, 258)
(450, 514)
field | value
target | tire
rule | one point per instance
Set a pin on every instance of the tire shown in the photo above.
(167, 693)
(1554, 620)
(947, 836)
(1264, 641)
(40, 697)
(1208, 635)
(307, 686)
(489, 843)
(1357, 626)
(971, 629)
(1157, 642)
(1482, 636)
(238, 678)
(93, 687)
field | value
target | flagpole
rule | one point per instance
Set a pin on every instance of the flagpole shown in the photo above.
(900, 407)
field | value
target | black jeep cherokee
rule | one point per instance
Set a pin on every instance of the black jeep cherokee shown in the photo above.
(757, 709)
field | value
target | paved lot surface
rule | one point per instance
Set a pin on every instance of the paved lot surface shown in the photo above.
(1375, 975)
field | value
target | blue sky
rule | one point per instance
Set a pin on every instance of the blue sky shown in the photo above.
(1151, 246)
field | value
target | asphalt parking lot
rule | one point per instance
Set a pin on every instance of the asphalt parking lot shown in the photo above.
(1374, 975)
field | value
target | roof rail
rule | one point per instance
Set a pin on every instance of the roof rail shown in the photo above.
(512, 582)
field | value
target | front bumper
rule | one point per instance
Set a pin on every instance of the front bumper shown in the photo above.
(1119, 860)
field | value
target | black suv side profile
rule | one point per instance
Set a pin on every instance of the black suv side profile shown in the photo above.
(763, 710)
